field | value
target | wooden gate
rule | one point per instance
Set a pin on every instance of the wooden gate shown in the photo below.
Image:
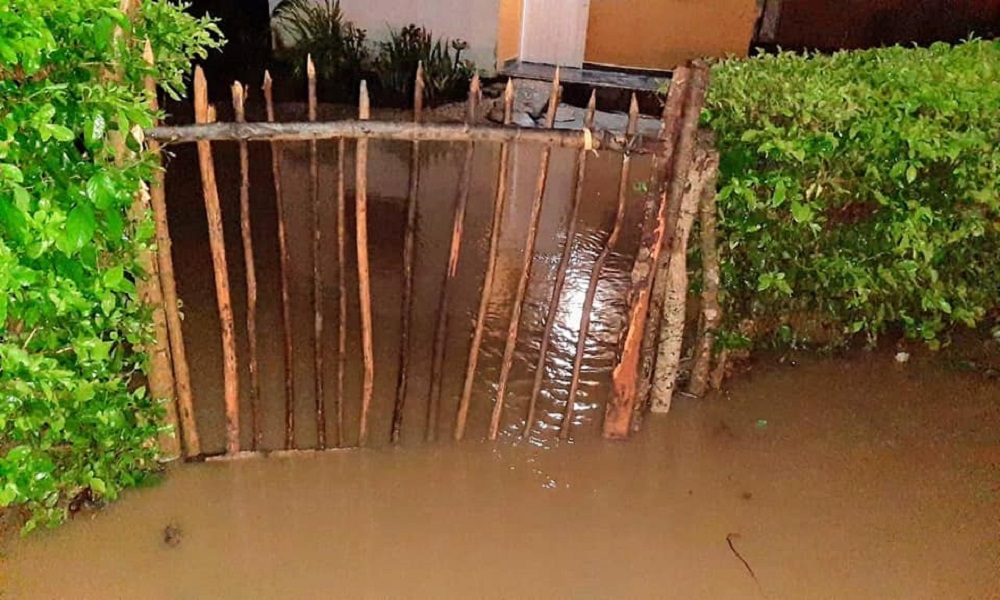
(672, 152)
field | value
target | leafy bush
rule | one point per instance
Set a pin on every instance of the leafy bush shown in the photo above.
(74, 417)
(339, 50)
(859, 190)
(446, 75)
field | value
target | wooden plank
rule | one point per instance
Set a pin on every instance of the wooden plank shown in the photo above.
(204, 114)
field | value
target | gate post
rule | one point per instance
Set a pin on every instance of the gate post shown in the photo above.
(686, 98)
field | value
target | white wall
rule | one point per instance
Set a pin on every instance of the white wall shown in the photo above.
(475, 21)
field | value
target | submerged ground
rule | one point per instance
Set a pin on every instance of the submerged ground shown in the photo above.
(835, 478)
(856, 477)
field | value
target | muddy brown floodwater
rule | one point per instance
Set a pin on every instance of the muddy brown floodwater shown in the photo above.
(849, 478)
(838, 478)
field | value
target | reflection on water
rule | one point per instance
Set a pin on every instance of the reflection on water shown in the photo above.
(388, 184)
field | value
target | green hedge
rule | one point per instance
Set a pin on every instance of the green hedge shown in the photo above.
(859, 191)
(73, 414)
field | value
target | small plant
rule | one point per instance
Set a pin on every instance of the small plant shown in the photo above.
(446, 74)
(339, 50)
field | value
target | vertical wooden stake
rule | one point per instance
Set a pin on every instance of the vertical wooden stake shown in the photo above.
(317, 273)
(462, 416)
(711, 312)
(702, 177)
(550, 318)
(203, 114)
(409, 258)
(364, 273)
(246, 231)
(602, 258)
(526, 267)
(618, 413)
(341, 288)
(457, 229)
(178, 353)
(286, 311)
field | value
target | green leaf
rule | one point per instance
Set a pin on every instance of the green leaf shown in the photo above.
(81, 225)
(911, 174)
(11, 173)
(780, 193)
(60, 133)
(97, 484)
(802, 213)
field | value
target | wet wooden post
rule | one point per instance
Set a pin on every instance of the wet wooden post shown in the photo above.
(711, 312)
(246, 232)
(341, 288)
(602, 258)
(702, 177)
(500, 200)
(168, 284)
(317, 248)
(619, 411)
(550, 318)
(203, 113)
(409, 258)
(286, 314)
(457, 229)
(364, 273)
(526, 267)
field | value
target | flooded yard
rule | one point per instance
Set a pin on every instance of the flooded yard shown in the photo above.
(853, 477)
(846, 478)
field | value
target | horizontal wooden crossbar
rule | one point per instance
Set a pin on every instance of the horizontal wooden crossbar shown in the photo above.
(406, 132)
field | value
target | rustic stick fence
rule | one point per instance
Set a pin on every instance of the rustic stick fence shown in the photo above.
(673, 150)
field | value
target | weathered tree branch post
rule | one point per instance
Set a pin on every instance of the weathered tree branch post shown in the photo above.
(619, 411)
(595, 275)
(205, 114)
(702, 176)
(711, 311)
(364, 270)
(560, 283)
(409, 260)
(286, 311)
(457, 230)
(246, 233)
(528, 260)
(499, 201)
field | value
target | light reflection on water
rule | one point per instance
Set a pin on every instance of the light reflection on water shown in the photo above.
(388, 183)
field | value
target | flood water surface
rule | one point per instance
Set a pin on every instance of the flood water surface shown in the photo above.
(851, 478)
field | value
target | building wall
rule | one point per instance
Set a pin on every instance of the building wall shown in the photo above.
(475, 21)
(835, 24)
(661, 34)
(509, 34)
